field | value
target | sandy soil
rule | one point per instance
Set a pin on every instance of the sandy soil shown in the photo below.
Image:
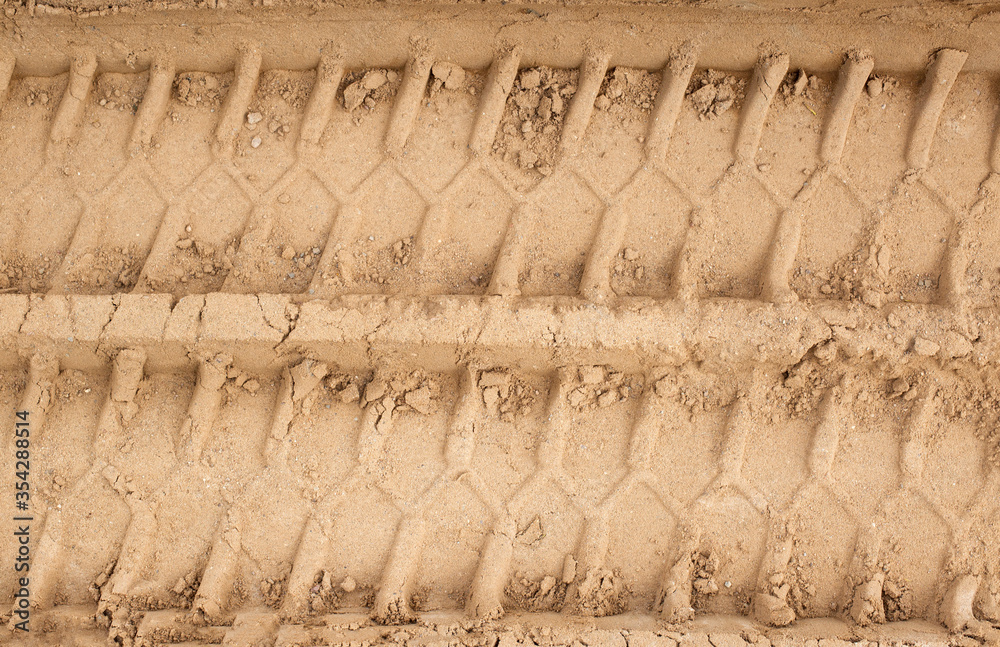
(457, 342)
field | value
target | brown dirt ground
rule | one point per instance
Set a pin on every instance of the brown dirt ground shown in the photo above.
(506, 335)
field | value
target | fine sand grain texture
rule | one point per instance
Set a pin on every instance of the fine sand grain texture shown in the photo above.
(500, 325)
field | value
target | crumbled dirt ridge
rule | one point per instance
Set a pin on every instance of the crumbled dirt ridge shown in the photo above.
(529, 131)
(559, 326)
(714, 93)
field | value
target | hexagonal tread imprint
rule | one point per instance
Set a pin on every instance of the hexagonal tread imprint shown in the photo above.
(374, 166)
(370, 490)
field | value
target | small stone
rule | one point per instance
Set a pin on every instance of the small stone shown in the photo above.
(348, 585)
(706, 586)
(204, 249)
(607, 398)
(284, 198)
(925, 347)
(800, 83)
(374, 79)
(491, 396)
(557, 104)
(420, 400)
(254, 118)
(350, 394)
(794, 382)
(826, 353)
(354, 95)
(872, 298)
(453, 76)
(493, 378)
(255, 142)
(874, 86)
(545, 108)
(954, 345)
(374, 391)
(288, 253)
(592, 374)
(531, 79)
